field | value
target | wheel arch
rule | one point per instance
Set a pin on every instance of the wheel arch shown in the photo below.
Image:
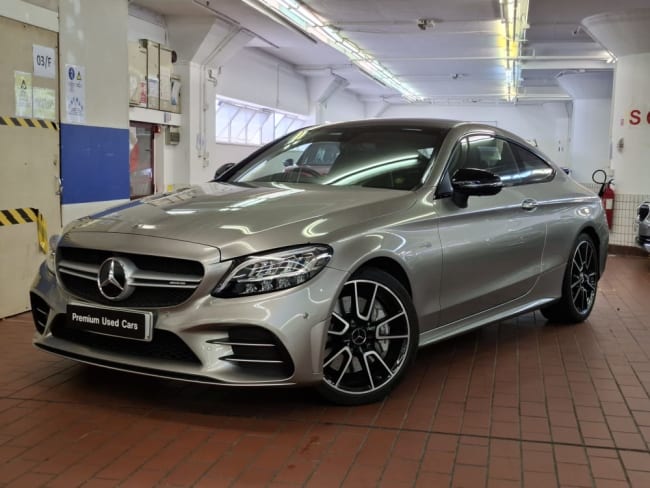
(591, 232)
(392, 267)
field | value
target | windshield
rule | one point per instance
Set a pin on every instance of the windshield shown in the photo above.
(394, 158)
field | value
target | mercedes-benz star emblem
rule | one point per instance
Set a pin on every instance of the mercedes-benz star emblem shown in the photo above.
(114, 279)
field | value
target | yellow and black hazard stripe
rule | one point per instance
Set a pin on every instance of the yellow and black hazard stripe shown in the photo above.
(25, 122)
(16, 216)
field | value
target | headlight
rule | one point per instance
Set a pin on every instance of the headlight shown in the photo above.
(51, 253)
(273, 272)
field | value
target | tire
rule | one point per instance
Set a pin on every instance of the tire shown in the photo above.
(369, 345)
(579, 285)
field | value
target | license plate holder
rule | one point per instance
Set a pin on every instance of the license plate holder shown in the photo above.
(115, 322)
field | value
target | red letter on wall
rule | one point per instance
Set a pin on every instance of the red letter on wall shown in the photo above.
(635, 117)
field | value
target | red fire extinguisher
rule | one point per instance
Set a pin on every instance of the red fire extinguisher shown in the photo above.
(606, 194)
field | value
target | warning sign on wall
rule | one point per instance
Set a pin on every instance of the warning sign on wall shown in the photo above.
(75, 93)
(23, 91)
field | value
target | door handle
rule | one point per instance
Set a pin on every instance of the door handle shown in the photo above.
(529, 204)
(58, 185)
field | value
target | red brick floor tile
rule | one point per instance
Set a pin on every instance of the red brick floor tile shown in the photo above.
(31, 480)
(570, 454)
(537, 480)
(363, 475)
(438, 462)
(639, 479)
(573, 474)
(607, 468)
(537, 461)
(504, 468)
(636, 461)
(399, 472)
(432, 480)
(474, 455)
(605, 483)
(469, 477)
(144, 477)
(329, 473)
(624, 440)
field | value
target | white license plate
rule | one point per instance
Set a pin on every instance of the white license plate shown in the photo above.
(129, 324)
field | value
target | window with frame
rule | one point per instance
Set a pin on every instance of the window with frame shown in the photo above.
(239, 123)
(533, 169)
(514, 164)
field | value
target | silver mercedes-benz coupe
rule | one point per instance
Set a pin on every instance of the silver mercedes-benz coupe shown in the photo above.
(325, 258)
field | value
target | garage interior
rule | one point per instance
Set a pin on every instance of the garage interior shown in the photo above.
(105, 101)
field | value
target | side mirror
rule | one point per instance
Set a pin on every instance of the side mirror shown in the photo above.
(470, 181)
(222, 170)
(287, 163)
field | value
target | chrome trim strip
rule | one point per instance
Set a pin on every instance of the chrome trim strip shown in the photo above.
(263, 361)
(230, 343)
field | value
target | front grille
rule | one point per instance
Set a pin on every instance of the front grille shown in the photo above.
(40, 312)
(256, 348)
(164, 345)
(644, 209)
(158, 281)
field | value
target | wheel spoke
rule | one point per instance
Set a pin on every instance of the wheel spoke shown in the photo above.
(388, 320)
(576, 265)
(389, 337)
(371, 305)
(365, 362)
(355, 301)
(345, 367)
(376, 355)
(346, 325)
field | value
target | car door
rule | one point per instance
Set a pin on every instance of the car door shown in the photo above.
(492, 249)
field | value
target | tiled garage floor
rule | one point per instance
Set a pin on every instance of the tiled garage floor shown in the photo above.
(520, 403)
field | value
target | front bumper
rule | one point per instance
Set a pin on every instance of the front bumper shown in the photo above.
(194, 341)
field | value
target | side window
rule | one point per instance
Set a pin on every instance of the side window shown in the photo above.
(533, 168)
(492, 154)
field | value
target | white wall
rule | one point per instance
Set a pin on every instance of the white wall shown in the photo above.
(263, 80)
(589, 147)
(141, 29)
(548, 124)
(343, 105)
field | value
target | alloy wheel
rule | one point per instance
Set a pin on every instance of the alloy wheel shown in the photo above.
(368, 338)
(584, 277)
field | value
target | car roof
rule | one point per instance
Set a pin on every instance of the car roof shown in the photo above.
(424, 123)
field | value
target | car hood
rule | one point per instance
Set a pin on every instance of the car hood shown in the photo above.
(242, 219)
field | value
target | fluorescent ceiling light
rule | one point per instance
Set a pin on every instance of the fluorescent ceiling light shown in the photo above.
(514, 18)
(313, 24)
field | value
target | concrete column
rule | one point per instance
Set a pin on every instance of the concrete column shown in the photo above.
(590, 121)
(625, 35)
(95, 144)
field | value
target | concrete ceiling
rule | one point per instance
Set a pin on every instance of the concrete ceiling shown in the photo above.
(458, 58)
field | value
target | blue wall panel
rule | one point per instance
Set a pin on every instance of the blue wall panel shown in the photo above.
(94, 163)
